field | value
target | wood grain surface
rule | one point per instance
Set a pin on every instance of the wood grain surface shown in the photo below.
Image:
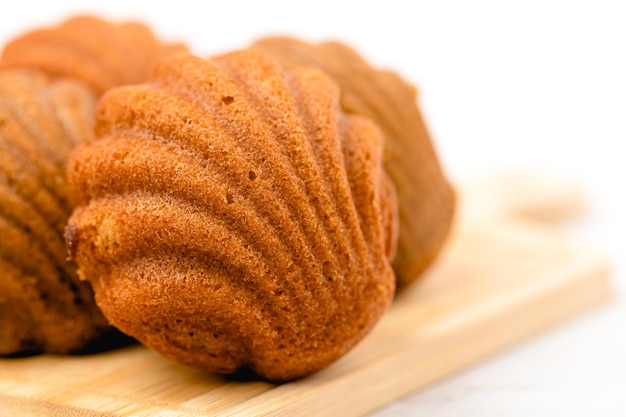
(504, 276)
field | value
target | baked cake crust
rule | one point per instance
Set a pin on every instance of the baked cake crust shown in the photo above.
(43, 304)
(230, 215)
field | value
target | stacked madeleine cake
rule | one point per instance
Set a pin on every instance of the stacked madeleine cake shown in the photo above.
(257, 209)
(99, 53)
(49, 83)
(43, 305)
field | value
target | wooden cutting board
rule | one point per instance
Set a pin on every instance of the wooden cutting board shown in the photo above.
(506, 274)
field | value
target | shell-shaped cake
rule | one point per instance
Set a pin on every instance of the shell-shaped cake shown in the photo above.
(231, 215)
(43, 304)
(425, 198)
(100, 53)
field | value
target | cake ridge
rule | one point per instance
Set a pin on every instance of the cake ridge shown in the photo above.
(309, 165)
(42, 157)
(341, 186)
(21, 215)
(27, 102)
(206, 229)
(319, 167)
(33, 260)
(172, 63)
(183, 186)
(64, 96)
(244, 339)
(30, 188)
(20, 142)
(191, 142)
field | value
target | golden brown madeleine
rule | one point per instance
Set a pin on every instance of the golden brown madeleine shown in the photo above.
(230, 215)
(426, 200)
(98, 52)
(43, 304)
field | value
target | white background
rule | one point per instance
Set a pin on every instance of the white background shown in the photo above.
(535, 85)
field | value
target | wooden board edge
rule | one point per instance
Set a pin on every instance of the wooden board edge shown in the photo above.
(21, 399)
(23, 406)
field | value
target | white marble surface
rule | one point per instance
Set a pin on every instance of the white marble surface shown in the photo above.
(535, 85)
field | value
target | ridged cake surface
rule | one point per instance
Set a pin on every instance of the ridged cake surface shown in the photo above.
(231, 215)
(426, 199)
(100, 53)
(43, 304)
